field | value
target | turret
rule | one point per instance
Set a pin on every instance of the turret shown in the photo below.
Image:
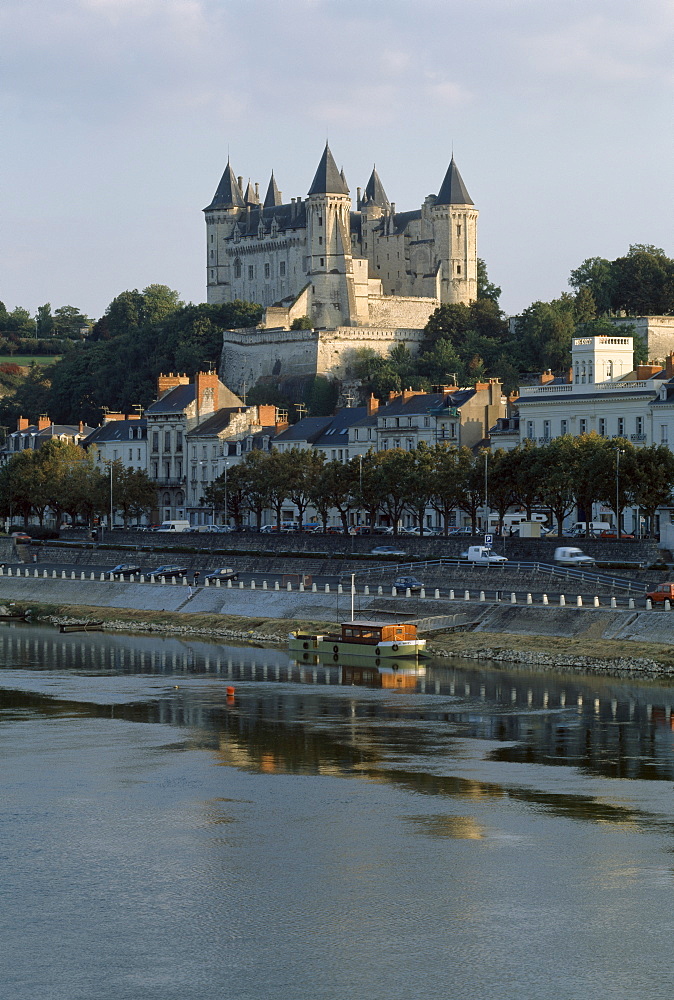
(454, 221)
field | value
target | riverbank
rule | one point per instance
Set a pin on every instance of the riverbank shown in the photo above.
(580, 654)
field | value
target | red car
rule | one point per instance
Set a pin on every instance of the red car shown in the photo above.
(624, 536)
(663, 592)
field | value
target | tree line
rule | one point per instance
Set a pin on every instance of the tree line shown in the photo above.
(62, 479)
(560, 476)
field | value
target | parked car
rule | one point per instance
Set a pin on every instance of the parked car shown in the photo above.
(223, 573)
(387, 550)
(408, 583)
(663, 592)
(624, 536)
(169, 570)
(482, 556)
(21, 538)
(123, 569)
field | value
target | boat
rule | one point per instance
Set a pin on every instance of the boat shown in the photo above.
(376, 640)
(81, 627)
(18, 617)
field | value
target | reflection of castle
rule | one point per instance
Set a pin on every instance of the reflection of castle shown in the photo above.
(373, 269)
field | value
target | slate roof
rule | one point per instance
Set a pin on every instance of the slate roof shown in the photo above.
(215, 423)
(571, 397)
(116, 430)
(173, 401)
(228, 194)
(273, 195)
(374, 192)
(328, 179)
(308, 429)
(453, 190)
(337, 432)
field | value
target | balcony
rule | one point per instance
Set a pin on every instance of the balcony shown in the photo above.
(173, 481)
(637, 437)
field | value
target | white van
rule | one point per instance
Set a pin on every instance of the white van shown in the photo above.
(175, 526)
(567, 555)
(591, 528)
(514, 520)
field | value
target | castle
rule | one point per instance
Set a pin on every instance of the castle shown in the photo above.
(367, 278)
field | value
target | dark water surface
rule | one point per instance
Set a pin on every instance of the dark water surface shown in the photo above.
(467, 832)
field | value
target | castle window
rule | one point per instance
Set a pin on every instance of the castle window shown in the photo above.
(212, 254)
(251, 272)
(458, 269)
(267, 270)
(211, 237)
(320, 220)
(458, 229)
(212, 273)
(282, 268)
(322, 261)
(320, 241)
(237, 268)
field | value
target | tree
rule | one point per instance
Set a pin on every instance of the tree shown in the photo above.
(44, 321)
(424, 485)
(556, 475)
(485, 289)
(256, 482)
(68, 321)
(595, 276)
(545, 330)
(450, 470)
(397, 483)
(654, 473)
(301, 470)
(643, 282)
(228, 493)
(302, 323)
(335, 487)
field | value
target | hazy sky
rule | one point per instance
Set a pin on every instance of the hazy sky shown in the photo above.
(117, 116)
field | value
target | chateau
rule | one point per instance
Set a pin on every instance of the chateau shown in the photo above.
(366, 278)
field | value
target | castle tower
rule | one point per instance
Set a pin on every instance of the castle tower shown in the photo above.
(454, 221)
(329, 257)
(221, 221)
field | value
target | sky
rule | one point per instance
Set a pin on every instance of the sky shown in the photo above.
(117, 118)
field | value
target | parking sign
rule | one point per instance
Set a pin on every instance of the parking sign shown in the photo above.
(488, 539)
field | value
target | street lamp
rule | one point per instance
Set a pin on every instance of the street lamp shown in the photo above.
(226, 506)
(618, 453)
(486, 495)
(111, 496)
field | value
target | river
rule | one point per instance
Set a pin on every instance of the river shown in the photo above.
(327, 832)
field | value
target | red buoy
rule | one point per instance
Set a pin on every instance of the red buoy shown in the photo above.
(230, 692)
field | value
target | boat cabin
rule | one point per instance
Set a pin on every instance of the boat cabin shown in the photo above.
(376, 632)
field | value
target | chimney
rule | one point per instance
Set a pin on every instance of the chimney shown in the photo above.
(546, 377)
(207, 385)
(669, 365)
(393, 394)
(166, 382)
(358, 199)
(481, 386)
(257, 191)
(514, 396)
(647, 371)
(409, 393)
(22, 424)
(393, 208)
(240, 182)
(81, 427)
(43, 422)
(280, 423)
(266, 415)
(372, 404)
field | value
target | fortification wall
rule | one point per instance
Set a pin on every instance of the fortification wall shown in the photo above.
(250, 354)
(401, 310)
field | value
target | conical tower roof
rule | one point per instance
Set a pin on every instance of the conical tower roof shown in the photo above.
(228, 194)
(250, 197)
(328, 179)
(273, 195)
(453, 190)
(374, 192)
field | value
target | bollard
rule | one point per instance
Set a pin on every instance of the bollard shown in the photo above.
(466, 595)
(184, 581)
(562, 601)
(91, 576)
(451, 595)
(240, 584)
(668, 606)
(545, 599)
(252, 584)
(26, 572)
(277, 585)
(72, 575)
(289, 586)
(53, 573)
(614, 603)
(207, 582)
(482, 598)
(229, 584)
(141, 578)
(630, 603)
(9, 571)
(82, 575)
(63, 574)
(579, 601)
(327, 588)
(264, 585)
(340, 589)
(45, 574)
(422, 593)
(437, 594)
(408, 592)
(394, 592)
(152, 578)
(596, 602)
(301, 588)
(380, 591)
(174, 582)
(513, 598)
(649, 604)
(366, 590)
(2, 571)
(314, 589)
(162, 579)
(530, 599)
(35, 573)
(218, 582)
